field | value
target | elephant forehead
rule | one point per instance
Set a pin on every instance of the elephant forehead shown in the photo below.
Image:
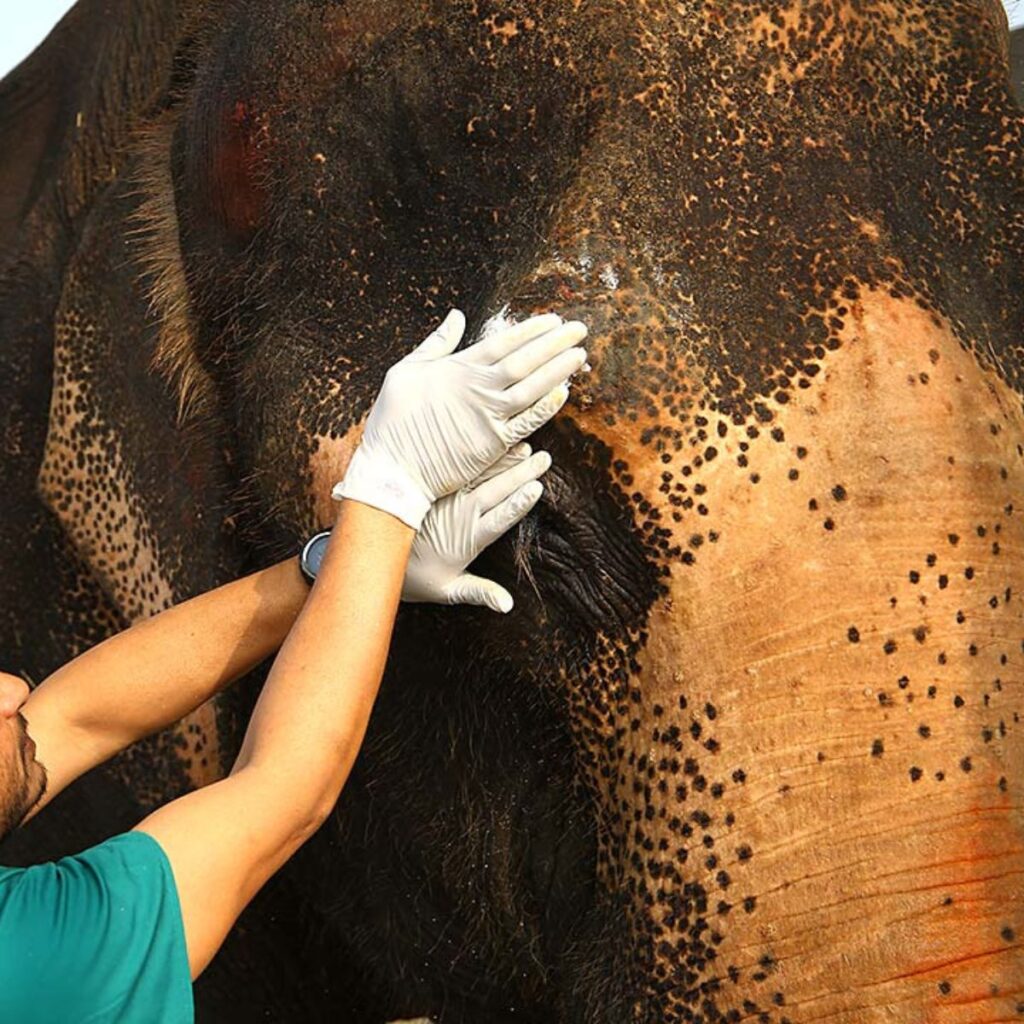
(379, 162)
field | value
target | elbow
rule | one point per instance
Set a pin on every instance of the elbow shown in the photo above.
(303, 826)
(313, 820)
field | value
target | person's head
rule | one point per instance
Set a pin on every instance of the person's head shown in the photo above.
(22, 777)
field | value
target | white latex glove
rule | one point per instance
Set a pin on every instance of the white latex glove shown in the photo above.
(441, 419)
(462, 524)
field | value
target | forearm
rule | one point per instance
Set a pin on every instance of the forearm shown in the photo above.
(155, 673)
(313, 712)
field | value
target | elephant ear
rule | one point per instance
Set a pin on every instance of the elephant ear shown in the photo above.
(140, 492)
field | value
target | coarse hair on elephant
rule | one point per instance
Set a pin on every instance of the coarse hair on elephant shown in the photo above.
(749, 747)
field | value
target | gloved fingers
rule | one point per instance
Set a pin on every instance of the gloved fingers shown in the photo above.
(516, 454)
(503, 517)
(531, 357)
(501, 343)
(532, 419)
(554, 372)
(469, 589)
(443, 340)
(494, 491)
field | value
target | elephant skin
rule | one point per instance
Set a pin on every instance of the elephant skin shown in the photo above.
(749, 747)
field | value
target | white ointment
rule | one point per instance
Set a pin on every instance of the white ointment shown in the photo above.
(609, 278)
(496, 324)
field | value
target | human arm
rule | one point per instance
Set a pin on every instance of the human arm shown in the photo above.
(226, 840)
(150, 676)
(153, 674)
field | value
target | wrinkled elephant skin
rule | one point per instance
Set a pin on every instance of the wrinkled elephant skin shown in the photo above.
(749, 747)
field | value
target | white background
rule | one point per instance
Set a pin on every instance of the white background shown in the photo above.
(21, 31)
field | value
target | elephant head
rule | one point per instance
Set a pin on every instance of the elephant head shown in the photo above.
(749, 746)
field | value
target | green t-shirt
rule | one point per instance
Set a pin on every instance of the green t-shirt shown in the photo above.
(94, 939)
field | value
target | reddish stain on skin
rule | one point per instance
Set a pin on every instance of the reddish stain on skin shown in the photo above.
(566, 294)
(238, 194)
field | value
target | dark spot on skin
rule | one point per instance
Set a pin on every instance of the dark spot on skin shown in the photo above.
(924, 731)
(914, 576)
(889, 646)
(839, 492)
(954, 539)
(877, 748)
(945, 988)
(1007, 934)
(966, 765)
(829, 524)
(915, 774)
(853, 635)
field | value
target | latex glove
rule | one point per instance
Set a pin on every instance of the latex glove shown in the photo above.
(440, 419)
(461, 525)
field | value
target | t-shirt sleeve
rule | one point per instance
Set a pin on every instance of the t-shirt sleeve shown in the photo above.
(95, 938)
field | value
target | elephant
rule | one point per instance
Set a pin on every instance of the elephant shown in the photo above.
(749, 746)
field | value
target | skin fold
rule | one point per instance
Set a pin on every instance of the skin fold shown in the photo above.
(749, 747)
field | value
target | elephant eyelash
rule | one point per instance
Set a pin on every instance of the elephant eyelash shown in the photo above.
(527, 538)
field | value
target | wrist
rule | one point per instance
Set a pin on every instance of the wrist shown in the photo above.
(376, 480)
(365, 535)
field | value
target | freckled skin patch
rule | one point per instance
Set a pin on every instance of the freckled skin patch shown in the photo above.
(688, 779)
(124, 496)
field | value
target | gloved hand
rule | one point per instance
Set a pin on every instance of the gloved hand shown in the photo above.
(441, 419)
(461, 525)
